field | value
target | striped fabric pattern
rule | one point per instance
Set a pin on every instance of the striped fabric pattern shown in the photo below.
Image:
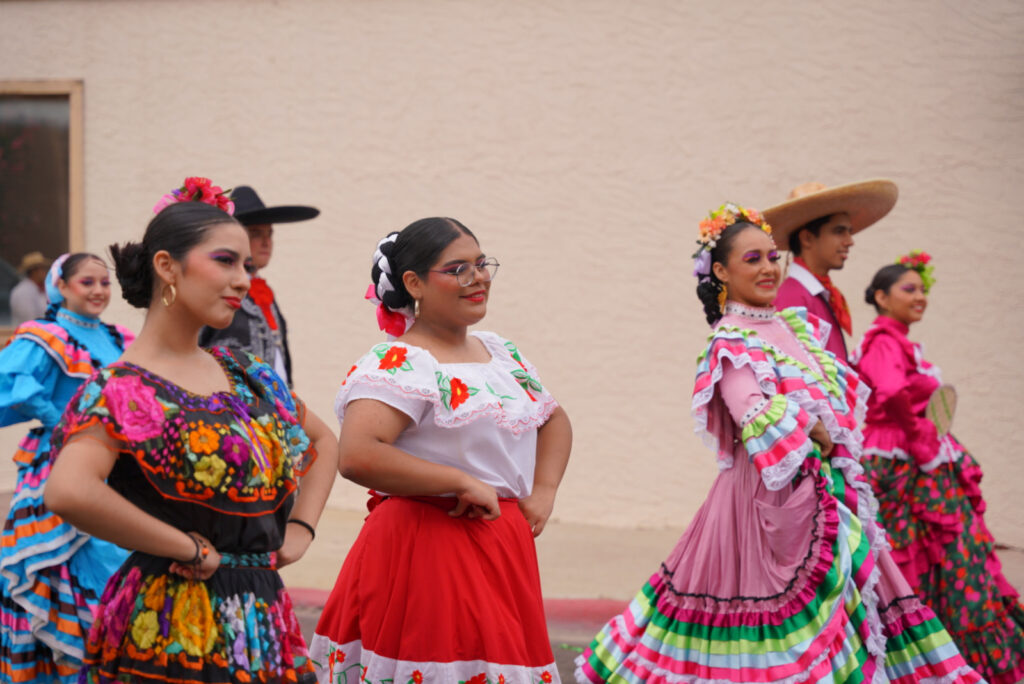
(817, 631)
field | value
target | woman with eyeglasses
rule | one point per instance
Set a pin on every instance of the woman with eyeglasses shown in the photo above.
(463, 449)
(782, 576)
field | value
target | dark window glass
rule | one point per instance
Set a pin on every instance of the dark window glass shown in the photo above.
(34, 183)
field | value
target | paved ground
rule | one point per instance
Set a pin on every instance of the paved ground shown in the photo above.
(588, 572)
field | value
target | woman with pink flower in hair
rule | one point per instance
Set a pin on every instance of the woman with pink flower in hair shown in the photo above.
(191, 458)
(927, 483)
(463, 449)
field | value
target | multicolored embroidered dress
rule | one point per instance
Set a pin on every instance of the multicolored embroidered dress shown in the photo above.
(224, 465)
(51, 573)
(783, 575)
(928, 488)
(422, 596)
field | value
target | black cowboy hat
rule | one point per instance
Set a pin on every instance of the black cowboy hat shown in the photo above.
(250, 210)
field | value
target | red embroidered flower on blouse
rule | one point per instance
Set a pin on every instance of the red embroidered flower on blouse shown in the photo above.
(478, 679)
(460, 393)
(546, 677)
(417, 677)
(393, 358)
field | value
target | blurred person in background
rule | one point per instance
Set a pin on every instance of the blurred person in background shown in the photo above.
(28, 297)
(817, 224)
(928, 485)
(52, 574)
(259, 327)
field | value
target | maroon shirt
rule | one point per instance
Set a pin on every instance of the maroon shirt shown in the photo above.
(793, 293)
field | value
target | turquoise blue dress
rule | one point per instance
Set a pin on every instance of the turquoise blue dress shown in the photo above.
(51, 574)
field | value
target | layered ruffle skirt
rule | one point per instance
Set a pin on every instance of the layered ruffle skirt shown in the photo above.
(237, 627)
(425, 597)
(51, 575)
(936, 526)
(776, 586)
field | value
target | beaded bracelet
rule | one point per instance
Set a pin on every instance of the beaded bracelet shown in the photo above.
(305, 524)
(202, 551)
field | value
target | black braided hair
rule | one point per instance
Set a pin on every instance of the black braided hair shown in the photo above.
(710, 287)
(883, 281)
(176, 229)
(415, 248)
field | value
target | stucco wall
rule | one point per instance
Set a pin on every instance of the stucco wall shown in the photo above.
(581, 140)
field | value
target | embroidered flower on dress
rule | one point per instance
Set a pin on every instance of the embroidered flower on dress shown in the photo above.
(135, 407)
(266, 376)
(460, 393)
(545, 677)
(477, 679)
(210, 470)
(192, 620)
(235, 449)
(90, 394)
(145, 629)
(417, 677)
(393, 358)
(203, 439)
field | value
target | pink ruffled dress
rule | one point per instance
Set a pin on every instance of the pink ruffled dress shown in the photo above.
(783, 575)
(930, 503)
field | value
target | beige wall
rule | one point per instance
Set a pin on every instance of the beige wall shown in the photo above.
(581, 140)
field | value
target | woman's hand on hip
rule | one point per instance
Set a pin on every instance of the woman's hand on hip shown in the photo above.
(821, 437)
(477, 500)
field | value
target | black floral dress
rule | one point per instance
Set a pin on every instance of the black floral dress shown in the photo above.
(224, 465)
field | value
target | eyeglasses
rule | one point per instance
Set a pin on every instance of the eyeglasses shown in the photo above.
(465, 273)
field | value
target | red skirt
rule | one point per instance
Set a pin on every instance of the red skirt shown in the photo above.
(426, 597)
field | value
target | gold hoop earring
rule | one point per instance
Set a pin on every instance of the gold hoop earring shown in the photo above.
(722, 296)
(163, 294)
(415, 308)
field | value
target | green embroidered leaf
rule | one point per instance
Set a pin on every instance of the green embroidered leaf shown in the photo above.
(381, 349)
(406, 366)
(472, 390)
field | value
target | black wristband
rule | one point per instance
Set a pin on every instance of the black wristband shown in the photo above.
(305, 524)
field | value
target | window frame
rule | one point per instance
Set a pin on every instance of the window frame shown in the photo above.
(73, 89)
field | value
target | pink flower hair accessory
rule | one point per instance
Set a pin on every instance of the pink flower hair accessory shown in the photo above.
(198, 189)
(920, 261)
(395, 322)
(712, 228)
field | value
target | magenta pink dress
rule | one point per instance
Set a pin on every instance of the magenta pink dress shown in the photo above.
(931, 505)
(782, 576)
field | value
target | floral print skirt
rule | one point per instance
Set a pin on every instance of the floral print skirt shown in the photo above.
(237, 626)
(427, 598)
(940, 541)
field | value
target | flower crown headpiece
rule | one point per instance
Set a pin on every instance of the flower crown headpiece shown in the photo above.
(198, 189)
(712, 227)
(919, 261)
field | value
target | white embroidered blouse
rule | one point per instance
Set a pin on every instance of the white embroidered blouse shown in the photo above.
(479, 417)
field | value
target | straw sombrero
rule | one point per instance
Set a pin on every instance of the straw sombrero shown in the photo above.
(865, 202)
